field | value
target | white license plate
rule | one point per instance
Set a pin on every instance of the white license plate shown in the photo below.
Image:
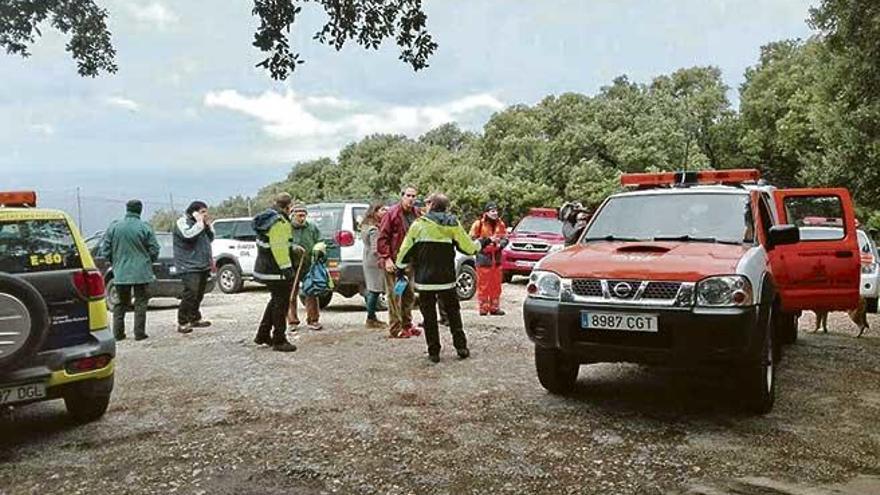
(527, 264)
(627, 322)
(21, 393)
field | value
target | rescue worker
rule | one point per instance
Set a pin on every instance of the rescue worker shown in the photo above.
(131, 247)
(193, 234)
(429, 246)
(274, 267)
(491, 228)
(306, 241)
(392, 231)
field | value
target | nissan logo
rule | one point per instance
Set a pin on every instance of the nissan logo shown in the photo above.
(622, 290)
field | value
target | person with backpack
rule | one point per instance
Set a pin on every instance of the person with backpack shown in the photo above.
(274, 267)
(131, 248)
(305, 239)
(192, 239)
(430, 246)
(489, 274)
(374, 275)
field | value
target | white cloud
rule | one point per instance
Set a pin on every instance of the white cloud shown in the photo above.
(153, 13)
(124, 103)
(290, 116)
(44, 129)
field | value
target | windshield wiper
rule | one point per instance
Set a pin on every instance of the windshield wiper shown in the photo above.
(690, 238)
(612, 238)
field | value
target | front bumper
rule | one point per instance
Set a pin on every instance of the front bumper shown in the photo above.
(520, 262)
(49, 367)
(686, 336)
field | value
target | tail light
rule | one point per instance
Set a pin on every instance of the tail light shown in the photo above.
(89, 283)
(344, 238)
(88, 364)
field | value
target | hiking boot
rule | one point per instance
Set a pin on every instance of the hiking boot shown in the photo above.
(185, 328)
(483, 313)
(284, 347)
(403, 334)
(262, 340)
(141, 337)
(434, 358)
(463, 353)
(375, 324)
(315, 327)
(119, 336)
(201, 324)
(498, 312)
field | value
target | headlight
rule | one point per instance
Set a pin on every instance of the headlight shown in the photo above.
(544, 285)
(555, 248)
(869, 268)
(729, 290)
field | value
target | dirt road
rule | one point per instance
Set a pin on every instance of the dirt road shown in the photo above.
(354, 412)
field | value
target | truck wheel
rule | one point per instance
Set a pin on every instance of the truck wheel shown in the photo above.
(507, 277)
(112, 298)
(229, 279)
(25, 321)
(871, 305)
(555, 372)
(86, 408)
(787, 328)
(759, 381)
(466, 284)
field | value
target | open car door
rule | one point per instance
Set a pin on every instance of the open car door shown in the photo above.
(822, 270)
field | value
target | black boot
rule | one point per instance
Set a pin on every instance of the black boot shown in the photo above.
(463, 353)
(262, 339)
(283, 347)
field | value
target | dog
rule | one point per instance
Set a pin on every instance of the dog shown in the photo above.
(858, 316)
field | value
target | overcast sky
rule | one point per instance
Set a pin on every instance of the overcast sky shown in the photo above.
(188, 115)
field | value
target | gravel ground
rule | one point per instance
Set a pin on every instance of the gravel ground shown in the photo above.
(354, 412)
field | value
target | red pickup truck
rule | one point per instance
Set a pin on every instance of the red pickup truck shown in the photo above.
(538, 234)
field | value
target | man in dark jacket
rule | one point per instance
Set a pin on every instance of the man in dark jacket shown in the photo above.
(193, 234)
(430, 245)
(392, 231)
(274, 268)
(131, 248)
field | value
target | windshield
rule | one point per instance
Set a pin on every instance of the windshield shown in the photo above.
(166, 245)
(698, 217)
(538, 225)
(328, 219)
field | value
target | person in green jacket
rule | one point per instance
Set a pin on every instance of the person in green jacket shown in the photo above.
(306, 242)
(274, 267)
(131, 248)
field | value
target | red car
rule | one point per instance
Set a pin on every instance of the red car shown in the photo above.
(538, 234)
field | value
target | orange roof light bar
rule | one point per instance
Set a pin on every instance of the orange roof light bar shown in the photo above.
(735, 176)
(18, 198)
(543, 212)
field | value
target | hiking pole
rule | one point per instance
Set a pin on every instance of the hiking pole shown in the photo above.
(291, 310)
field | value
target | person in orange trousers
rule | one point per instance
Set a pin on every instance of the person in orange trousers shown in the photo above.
(491, 227)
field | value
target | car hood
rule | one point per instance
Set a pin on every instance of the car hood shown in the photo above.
(684, 261)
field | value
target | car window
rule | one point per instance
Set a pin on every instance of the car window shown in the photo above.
(244, 231)
(223, 230)
(328, 219)
(166, 245)
(822, 212)
(539, 224)
(357, 217)
(36, 246)
(719, 217)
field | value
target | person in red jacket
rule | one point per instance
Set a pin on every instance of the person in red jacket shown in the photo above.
(392, 231)
(492, 228)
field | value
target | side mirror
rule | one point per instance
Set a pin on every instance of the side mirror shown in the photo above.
(781, 235)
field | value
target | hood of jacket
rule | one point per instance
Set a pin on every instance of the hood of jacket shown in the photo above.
(442, 218)
(264, 221)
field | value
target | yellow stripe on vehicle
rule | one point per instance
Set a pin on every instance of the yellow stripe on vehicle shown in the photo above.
(98, 315)
(62, 377)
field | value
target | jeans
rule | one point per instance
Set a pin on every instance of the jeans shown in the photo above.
(141, 299)
(275, 315)
(399, 308)
(449, 301)
(372, 304)
(193, 292)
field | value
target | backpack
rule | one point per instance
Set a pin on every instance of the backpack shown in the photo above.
(317, 281)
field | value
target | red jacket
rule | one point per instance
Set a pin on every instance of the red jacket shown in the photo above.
(392, 230)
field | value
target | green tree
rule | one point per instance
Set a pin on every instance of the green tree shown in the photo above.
(163, 220)
(367, 23)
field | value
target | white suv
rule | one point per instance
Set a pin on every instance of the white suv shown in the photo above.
(235, 252)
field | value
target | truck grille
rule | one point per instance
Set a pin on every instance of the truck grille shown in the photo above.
(626, 290)
(587, 287)
(661, 290)
(530, 247)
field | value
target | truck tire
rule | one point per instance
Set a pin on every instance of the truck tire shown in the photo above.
(759, 380)
(466, 283)
(229, 279)
(507, 277)
(555, 372)
(86, 408)
(787, 328)
(24, 320)
(112, 298)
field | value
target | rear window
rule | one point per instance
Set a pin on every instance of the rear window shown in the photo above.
(244, 231)
(539, 225)
(223, 230)
(328, 219)
(166, 245)
(28, 246)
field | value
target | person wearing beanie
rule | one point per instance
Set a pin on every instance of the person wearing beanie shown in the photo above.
(193, 233)
(131, 248)
(492, 233)
(306, 243)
